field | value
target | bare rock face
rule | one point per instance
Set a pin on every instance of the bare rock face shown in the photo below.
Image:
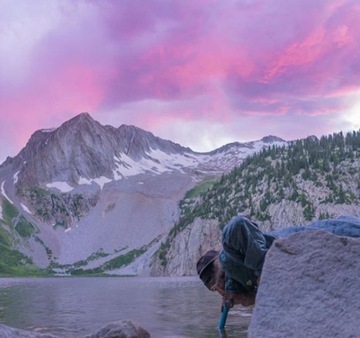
(187, 247)
(309, 288)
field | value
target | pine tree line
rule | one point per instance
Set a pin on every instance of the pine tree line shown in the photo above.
(329, 165)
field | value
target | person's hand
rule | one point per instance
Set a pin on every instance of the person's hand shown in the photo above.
(219, 290)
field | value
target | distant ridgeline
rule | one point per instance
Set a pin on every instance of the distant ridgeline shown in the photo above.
(280, 186)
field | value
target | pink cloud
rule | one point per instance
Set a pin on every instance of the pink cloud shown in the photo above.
(195, 61)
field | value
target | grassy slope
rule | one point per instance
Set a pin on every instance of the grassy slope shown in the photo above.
(13, 262)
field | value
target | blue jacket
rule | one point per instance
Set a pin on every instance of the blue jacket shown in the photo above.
(245, 246)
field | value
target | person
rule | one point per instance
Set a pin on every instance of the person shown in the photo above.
(235, 271)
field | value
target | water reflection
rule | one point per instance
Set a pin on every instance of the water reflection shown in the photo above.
(75, 307)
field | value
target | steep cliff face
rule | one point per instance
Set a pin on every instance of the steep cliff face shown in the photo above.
(186, 248)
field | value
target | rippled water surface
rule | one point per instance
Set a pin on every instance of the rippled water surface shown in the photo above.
(75, 307)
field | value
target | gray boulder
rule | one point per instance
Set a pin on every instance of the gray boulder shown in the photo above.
(118, 329)
(121, 329)
(310, 287)
(9, 332)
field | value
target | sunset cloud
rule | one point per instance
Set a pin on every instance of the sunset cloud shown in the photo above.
(241, 69)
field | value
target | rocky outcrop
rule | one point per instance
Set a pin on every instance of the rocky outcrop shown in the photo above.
(118, 329)
(309, 288)
(9, 332)
(58, 208)
(121, 329)
(187, 247)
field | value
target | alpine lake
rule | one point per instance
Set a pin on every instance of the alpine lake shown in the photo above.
(72, 307)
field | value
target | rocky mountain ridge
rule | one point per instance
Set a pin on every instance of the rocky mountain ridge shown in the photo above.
(87, 196)
(81, 150)
(278, 187)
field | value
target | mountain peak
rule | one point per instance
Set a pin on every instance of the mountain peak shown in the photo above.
(82, 126)
(272, 139)
(82, 116)
(80, 119)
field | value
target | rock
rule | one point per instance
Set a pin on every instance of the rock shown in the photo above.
(121, 329)
(9, 332)
(309, 288)
(118, 329)
(187, 247)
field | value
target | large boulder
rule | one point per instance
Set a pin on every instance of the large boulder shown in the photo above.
(121, 329)
(118, 329)
(310, 287)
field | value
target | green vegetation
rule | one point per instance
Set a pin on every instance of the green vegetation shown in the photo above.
(79, 268)
(163, 250)
(48, 251)
(278, 173)
(13, 262)
(76, 266)
(59, 208)
(112, 264)
(24, 228)
(13, 219)
(4, 236)
(200, 189)
(9, 212)
(290, 174)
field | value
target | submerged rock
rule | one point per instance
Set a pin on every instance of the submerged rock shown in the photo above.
(121, 329)
(118, 329)
(9, 332)
(309, 288)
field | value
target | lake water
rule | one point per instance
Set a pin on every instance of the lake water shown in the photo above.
(75, 307)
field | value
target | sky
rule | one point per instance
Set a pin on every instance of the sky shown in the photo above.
(199, 73)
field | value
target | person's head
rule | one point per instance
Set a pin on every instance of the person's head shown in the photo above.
(210, 272)
(212, 275)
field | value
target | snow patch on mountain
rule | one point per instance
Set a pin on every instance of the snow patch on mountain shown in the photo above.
(4, 193)
(25, 208)
(100, 181)
(15, 177)
(62, 186)
(129, 167)
(49, 130)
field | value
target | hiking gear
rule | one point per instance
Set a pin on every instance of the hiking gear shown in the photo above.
(243, 254)
(206, 269)
(224, 312)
